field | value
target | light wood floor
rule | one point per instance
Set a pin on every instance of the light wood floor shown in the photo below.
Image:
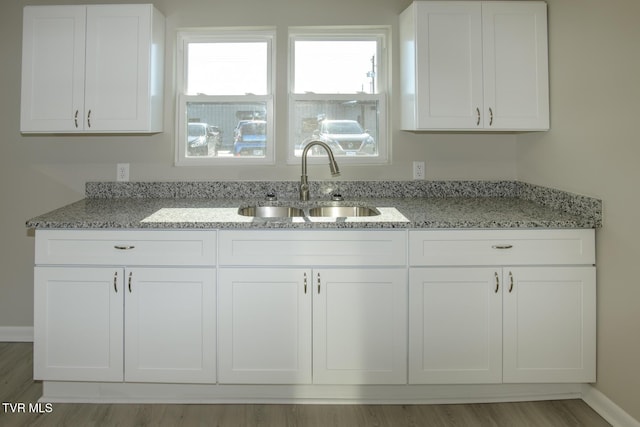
(17, 385)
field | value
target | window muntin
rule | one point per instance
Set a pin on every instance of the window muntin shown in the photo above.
(338, 75)
(225, 77)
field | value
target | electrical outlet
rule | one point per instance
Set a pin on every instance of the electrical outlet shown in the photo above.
(418, 170)
(122, 172)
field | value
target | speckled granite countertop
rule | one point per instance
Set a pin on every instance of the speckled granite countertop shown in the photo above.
(411, 204)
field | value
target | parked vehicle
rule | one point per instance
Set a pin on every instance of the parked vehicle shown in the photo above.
(345, 137)
(197, 139)
(251, 139)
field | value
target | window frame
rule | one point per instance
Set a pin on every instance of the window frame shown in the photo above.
(382, 84)
(232, 35)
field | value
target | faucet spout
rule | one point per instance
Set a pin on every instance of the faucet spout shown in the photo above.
(333, 166)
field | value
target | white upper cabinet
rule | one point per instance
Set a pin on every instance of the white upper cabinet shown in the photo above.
(92, 69)
(474, 66)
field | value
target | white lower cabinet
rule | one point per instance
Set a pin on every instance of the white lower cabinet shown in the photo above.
(78, 324)
(502, 324)
(549, 325)
(231, 312)
(359, 326)
(264, 326)
(455, 326)
(116, 324)
(170, 325)
(323, 325)
(320, 326)
(112, 323)
(494, 325)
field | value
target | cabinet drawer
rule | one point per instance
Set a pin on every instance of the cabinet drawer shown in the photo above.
(501, 247)
(139, 247)
(312, 247)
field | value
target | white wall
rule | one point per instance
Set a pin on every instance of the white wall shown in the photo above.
(593, 148)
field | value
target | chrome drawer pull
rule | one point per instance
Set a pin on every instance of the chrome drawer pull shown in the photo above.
(502, 246)
(124, 247)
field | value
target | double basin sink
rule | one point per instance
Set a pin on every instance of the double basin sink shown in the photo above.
(317, 211)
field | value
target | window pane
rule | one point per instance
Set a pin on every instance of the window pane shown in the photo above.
(227, 68)
(350, 128)
(339, 66)
(226, 129)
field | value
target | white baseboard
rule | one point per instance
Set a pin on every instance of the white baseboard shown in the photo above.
(16, 333)
(121, 392)
(608, 410)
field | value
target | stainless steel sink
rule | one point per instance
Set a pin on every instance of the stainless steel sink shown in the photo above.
(271, 211)
(318, 211)
(343, 211)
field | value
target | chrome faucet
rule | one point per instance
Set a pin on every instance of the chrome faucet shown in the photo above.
(304, 183)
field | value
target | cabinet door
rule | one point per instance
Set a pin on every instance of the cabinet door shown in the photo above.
(549, 325)
(360, 326)
(265, 326)
(449, 65)
(53, 58)
(118, 67)
(78, 321)
(516, 81)
(170, 330)
(455, 325)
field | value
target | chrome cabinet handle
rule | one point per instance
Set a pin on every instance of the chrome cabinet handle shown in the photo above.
(115, 282)
(502, 246)
(497, 283)
(510, 282)
(478, 115)
(305, 283)
(318, 283)
(89, 118)
(124, 247)
(75, 119)
(130, 274)
(490, 116)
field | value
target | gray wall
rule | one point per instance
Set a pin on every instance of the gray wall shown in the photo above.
(591, 148)
(594, 149)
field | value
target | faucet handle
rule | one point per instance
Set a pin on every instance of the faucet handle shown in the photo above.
(337, 197)
(271, 197)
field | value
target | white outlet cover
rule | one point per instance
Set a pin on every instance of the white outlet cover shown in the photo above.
(418, 170)
(122, 172)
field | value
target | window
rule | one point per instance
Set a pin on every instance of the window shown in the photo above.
(338, 90)
(337, 93)
(225, 99)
